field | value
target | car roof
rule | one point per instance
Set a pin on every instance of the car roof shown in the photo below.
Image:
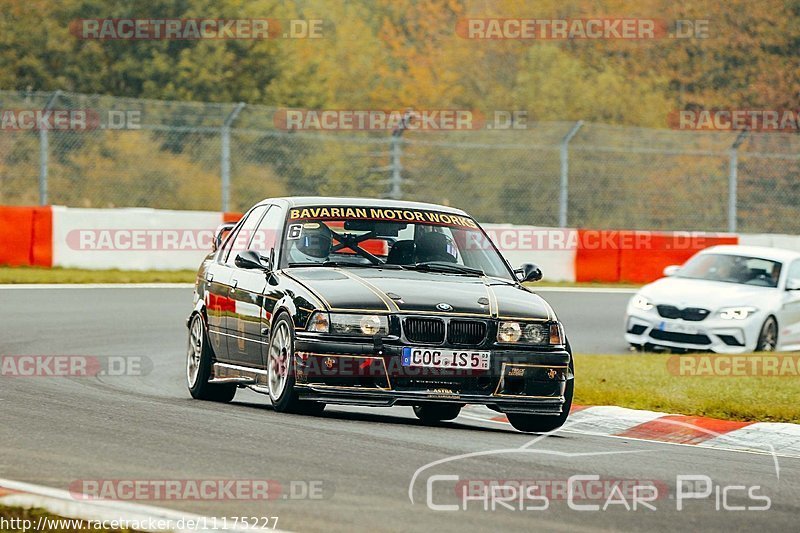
(308, 201)
(763, 252)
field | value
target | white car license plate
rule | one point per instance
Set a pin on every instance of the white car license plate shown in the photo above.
(673, 327)
(439, 358)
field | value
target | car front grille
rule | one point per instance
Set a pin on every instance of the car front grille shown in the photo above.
(467, 332)
(424, 330)
(685, 338)
(692, 314)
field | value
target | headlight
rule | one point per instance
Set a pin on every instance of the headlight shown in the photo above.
(736, 313)
(347, 324)
(530, 333)
(509, 332)
(640, 302)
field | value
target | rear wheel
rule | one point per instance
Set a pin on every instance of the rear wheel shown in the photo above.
(768, 338)
(199, 362)
(431, 413)
(544, 423)
(280, 371)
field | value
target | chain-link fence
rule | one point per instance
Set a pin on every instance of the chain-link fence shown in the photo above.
(180, 155)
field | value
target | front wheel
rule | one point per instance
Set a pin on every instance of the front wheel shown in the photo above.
(768, 337)
(544, 423)
(431, 413)
(280, 371)
(199, 361)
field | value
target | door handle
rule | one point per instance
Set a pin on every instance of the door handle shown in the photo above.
(234, 283)
(209, 277)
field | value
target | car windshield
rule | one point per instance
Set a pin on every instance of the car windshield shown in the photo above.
(732, 269)
(410, 239)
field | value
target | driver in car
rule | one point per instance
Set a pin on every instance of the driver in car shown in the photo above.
(313, 246)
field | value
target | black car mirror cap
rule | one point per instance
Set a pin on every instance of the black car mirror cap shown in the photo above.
(528, 272)
(252, 260)
(220, 234)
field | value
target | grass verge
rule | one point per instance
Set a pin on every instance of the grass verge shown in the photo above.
(76, 275)
(14, 519)
(653, 382)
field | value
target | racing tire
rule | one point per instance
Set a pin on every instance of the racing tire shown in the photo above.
(280, 371)
(199, 363)
(433, 413)
(545, 423)
(768, 337)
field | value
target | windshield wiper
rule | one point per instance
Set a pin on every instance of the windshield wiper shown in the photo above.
(449, 268)
(345, 264)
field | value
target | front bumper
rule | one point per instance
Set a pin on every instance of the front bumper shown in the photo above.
(647, 328)
(369, 373)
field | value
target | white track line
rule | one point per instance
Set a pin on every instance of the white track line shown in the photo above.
(50, 286)
(61, 503)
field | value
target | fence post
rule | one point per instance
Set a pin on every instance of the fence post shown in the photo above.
(564, 189)
(44, 150)
(225, 155)
(733, 181)
(396, 166)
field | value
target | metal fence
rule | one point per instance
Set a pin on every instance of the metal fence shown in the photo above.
(183, 155)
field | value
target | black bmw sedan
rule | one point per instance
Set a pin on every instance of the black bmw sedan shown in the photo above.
(318, 301)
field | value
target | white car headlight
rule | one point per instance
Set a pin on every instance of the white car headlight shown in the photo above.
(349, 324)
(640, 302)
(736, 313)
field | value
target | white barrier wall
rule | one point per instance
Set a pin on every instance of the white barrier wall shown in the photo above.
(771, 240)
(156, 239)
(132, 238)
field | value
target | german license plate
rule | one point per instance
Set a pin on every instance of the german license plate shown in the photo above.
(673, 327)
(437, 358)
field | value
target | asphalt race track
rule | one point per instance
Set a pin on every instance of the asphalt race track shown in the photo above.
(55, 431)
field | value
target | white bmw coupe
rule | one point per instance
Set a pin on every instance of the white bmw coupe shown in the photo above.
(725, 299)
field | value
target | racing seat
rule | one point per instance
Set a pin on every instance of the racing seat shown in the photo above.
(432, 246)
(402, 253)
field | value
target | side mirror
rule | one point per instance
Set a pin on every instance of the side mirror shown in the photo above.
(528, 272)
(251, 259)
(793, 284)
(671, 270)
(220, 234)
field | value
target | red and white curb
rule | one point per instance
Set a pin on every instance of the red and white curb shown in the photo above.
(762, 437)
(148, 518)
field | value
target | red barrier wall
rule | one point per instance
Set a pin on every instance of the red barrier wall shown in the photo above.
(42, 241)
(637, 256)
(231, 217)
(26, 236)
(16, 234)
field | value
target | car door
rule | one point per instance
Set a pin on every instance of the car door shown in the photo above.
(249, 323)
(217, 296)
(789, 319)
(222, 286)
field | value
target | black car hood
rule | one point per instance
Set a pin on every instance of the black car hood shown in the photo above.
(379, 290)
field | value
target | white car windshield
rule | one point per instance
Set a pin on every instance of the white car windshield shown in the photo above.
(733, 269)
